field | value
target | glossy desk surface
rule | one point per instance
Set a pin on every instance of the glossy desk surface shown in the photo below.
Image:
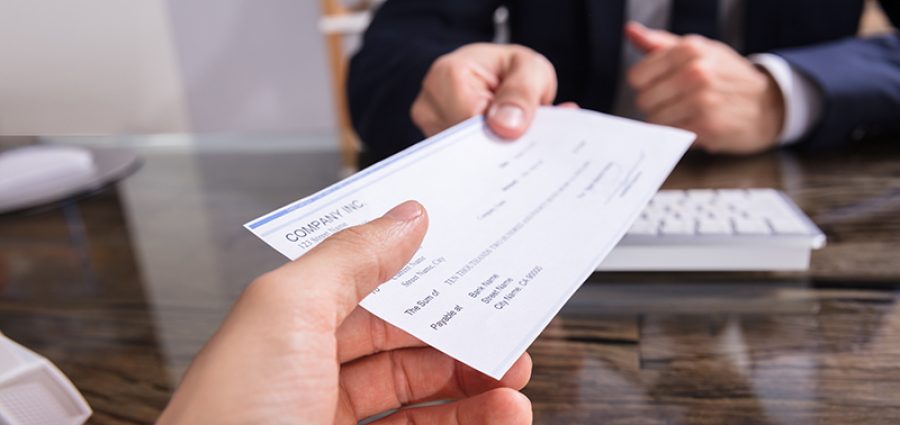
(122, 288)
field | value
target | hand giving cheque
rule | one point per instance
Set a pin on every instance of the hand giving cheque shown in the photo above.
(515, 227)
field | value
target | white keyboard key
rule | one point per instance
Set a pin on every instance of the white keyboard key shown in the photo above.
(665, 198)
(679, 210)
(751, 226)
(788, 226)
(677, 227)
(717, 210)
(702, 196)
(765, 202)
(760, 222)
(732, 196)
(654, 210)
(643, 227)
(653, 219)
(765, 196)
(714, 227)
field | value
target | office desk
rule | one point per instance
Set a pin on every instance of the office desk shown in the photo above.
(122, 288)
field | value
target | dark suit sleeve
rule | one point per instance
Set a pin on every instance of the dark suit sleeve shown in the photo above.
(404, 38)
(860, 82)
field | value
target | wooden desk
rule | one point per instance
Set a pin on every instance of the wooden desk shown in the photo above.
(121, 289)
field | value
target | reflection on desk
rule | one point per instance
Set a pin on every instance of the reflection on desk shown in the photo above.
(121, 290)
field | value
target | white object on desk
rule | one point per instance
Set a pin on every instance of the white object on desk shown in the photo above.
(33, 391)
(717, 230)
(32, 173)
(36, 175)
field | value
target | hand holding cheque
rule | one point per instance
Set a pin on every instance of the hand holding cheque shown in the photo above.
(689, 82)
(515, 228)
(297, 349)
(384, 311)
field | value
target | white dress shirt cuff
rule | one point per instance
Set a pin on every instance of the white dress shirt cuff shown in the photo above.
(802, 99)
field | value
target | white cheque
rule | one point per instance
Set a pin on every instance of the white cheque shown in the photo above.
(515, 227)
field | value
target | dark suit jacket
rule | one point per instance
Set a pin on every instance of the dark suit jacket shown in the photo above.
(859, 78)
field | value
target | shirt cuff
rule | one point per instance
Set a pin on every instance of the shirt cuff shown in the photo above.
(802, 98)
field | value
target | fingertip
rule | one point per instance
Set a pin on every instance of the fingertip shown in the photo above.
(510, 407)
(507, 120)
(409, 212)
(568, 105)
(634, 28)
(636, 32)
(406, 211)
(647, 39)
(522, 401)
(505, 134)
(519, 374)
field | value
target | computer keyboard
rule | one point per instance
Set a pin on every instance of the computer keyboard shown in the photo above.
(717, 230)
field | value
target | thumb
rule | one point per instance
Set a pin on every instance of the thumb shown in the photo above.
(528, 81)
(649, 40)
(347, 266)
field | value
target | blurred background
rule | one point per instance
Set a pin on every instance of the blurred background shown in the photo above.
(177, 65)
(172, 66)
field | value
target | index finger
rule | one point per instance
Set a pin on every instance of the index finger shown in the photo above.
(363, 334)
(347, 266)
(657, 65)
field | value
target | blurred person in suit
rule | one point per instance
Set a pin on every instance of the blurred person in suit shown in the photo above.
(746, 76)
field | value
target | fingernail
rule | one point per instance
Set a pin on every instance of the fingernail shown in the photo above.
(407, 211)
(509, 116)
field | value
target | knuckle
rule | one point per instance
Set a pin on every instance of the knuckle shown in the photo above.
(705, 101)
(441, 63)
(642, 101)
(421, 114)
(400, 378)
(696, 41)
(693, 45)
(473, 108)
(455, 73)
(510, 405)
(448, 68)
(418, 112)
(708, 128)
(699, 73)
(378, 330)
(530, 57)
(704, 128)
(359, 247)
(635, 77)
(543, 62)
(549, 72)
(522, 52)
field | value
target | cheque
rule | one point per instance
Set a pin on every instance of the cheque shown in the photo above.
(515, 227)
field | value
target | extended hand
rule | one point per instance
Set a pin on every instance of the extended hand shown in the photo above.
(505, 82)
(296, 348)
(704, 86)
